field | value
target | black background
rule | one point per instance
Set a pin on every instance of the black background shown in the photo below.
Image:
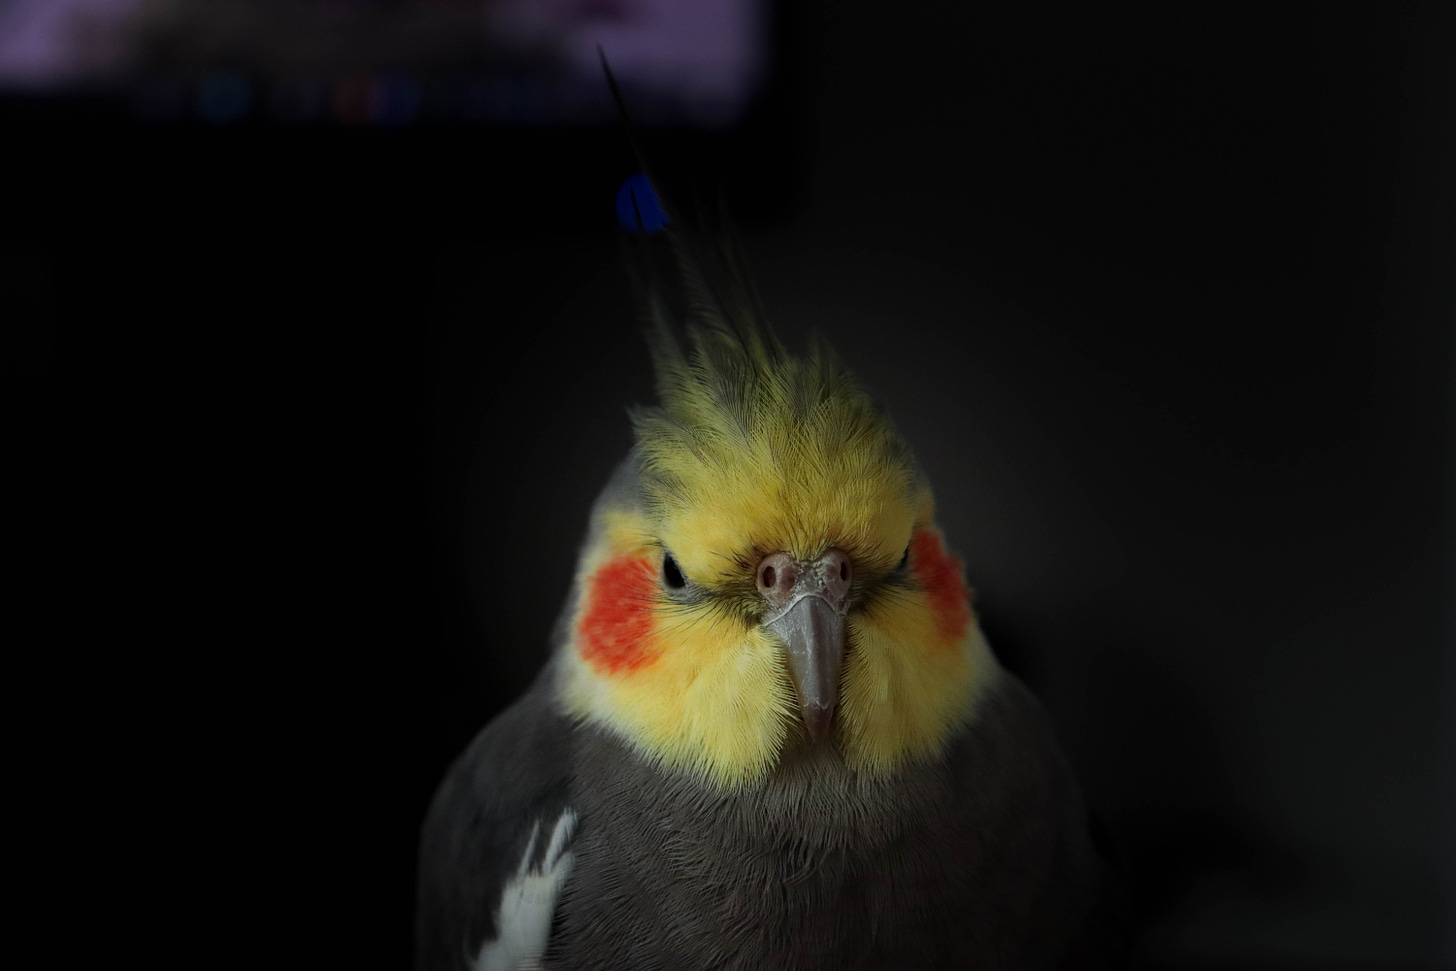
(313, 421)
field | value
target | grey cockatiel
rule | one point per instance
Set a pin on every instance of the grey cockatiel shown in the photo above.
(771, 734)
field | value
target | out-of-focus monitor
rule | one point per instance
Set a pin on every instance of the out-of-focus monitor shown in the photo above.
(390, 63)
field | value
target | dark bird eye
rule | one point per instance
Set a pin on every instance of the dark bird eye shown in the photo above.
(904, 559)
(671, 575)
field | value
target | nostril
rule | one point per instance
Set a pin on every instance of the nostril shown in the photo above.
(837, 572)
(776, 577)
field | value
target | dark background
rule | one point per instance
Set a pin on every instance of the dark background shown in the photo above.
(1163, 302)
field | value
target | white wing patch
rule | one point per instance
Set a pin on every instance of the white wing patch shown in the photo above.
(527, 903)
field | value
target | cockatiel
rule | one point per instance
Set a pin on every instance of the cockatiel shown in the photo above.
(771, 734)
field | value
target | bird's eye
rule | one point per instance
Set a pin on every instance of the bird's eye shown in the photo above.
(671, 574)
(904, 561)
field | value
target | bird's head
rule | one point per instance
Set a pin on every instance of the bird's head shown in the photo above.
(765, 572)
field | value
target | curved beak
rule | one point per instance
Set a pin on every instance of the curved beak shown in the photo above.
(813, 632)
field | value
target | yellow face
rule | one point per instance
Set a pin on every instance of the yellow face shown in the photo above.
(690, 676)
(755, 456)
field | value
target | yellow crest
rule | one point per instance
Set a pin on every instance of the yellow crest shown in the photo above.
(753, 450)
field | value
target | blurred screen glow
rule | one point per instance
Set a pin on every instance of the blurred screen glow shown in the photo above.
(698, 63)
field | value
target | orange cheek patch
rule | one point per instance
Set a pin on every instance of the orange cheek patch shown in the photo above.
(940, 575)
(616, 625)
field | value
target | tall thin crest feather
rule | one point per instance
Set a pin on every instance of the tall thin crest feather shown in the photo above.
(732, 400)
(711, 281)
(647, 277)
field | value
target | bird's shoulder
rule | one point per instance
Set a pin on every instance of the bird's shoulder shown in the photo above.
(495, 847)
(1014, 780)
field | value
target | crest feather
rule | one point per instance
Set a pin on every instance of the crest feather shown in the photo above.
(751, 447)
(806, 454)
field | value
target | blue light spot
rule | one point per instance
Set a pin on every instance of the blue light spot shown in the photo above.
(636, 201)
(394, 101)
(224, 98)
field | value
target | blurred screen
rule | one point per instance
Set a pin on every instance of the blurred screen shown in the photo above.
(391, 63)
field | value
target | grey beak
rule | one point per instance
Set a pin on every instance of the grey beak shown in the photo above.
(813, 631)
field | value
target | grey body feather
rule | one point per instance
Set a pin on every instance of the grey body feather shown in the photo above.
(980, 860)
(514, 775)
